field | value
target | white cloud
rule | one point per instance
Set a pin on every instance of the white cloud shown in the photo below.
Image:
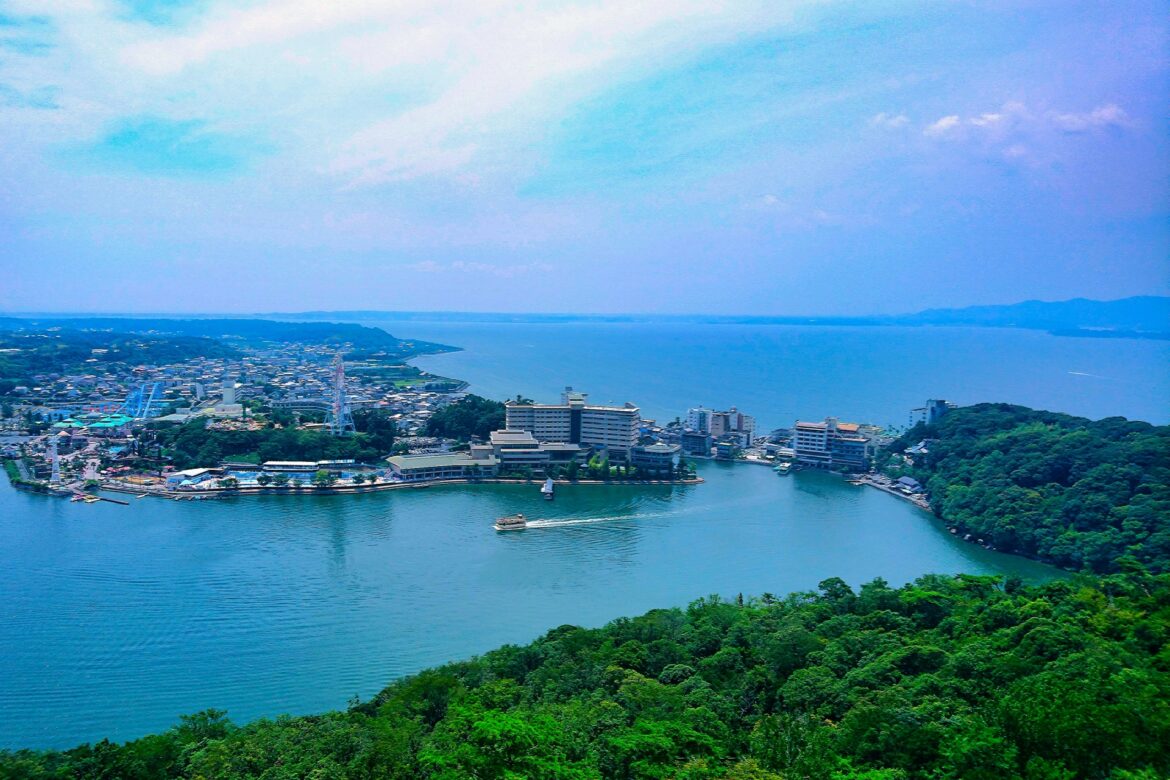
(477, 76)
(987, 120)
(889, 120)
(942, 126)
(1109, 115)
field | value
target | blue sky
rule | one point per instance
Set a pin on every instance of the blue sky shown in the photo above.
(603, 156)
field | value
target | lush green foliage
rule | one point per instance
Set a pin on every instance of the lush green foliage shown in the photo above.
(194, 445)
(1076, 492)
(962, 677)
(470, 416)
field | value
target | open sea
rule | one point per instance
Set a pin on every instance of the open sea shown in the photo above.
(116, 619)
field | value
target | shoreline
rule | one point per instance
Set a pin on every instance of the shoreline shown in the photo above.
(218, 492)
(918, 501)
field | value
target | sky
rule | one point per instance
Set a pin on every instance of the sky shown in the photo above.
(606, 156)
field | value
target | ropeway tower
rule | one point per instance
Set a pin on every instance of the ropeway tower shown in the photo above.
(55, 462)
(340, 416)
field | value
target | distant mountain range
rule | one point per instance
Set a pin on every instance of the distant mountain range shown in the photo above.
(1143, 317)
(1146, 316)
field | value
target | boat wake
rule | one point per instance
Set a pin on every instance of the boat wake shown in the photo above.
(583, 520)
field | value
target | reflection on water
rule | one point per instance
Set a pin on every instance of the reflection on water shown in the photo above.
(118, 619)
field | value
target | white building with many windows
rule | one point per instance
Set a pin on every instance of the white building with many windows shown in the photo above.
(732, 422)
(831, 444)
(575, 421)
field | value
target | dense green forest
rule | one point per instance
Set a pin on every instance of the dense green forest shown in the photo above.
(1075, 492)
(25, 354)
(192, 444)
(470, 416)
(946, 678)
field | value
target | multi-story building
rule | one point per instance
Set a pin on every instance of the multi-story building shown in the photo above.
(831, 444)
(656, 457)
(696, 443)
(575, 421)
(699, 419)
(719, 424)
(929, 414)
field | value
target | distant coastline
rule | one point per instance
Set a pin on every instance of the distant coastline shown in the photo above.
(1137, 317)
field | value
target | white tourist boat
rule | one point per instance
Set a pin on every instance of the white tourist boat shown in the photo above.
(547, 490)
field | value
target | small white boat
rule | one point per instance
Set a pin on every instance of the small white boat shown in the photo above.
(783, 467)
(511, 523)
(547, 490)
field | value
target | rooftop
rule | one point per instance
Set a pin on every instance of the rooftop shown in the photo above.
(438, 461)
(660, 447)
(513, 437)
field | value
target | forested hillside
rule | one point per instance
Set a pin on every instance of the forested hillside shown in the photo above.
(471, 416)
(1076, 492)
(949, 677)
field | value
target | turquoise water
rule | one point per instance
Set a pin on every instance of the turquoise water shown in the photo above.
(119, 618)
(780, 373)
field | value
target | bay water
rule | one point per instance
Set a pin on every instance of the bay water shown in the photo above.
(116, 619)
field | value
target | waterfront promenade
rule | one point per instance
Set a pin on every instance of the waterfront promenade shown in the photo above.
(312, 490)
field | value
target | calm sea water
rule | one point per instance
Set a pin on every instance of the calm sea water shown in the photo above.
(118, 619)
(781, 373)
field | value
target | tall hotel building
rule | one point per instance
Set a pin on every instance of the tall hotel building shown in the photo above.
(730, 423)
(831, 444)
(574, 421)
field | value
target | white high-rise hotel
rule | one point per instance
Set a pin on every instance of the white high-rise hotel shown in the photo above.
(733, 422)
(574, 421)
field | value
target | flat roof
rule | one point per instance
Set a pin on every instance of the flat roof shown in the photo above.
(511, 436)
(438, 461)
(189, 472)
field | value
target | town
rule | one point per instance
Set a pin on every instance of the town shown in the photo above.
(207, 427)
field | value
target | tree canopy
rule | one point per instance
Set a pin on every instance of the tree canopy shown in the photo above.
(1079, 493)
(193, 444)
(945, 678)
(470, 416)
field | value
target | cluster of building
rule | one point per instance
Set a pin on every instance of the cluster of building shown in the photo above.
(724, 433)
(537, 437)
(292, 376)
(85, 412)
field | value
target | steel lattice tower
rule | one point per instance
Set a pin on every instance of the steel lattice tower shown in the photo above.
(340, 417)
(55, 460)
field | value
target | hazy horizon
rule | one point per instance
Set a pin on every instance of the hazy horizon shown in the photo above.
(114, 313)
